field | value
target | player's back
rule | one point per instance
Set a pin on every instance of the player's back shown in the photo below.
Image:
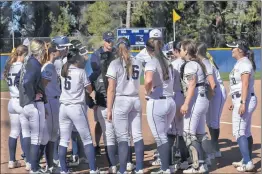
(73, 86)
(161, 87)
(13, 71)
(177, 63)
(49, 72)
(125, 85)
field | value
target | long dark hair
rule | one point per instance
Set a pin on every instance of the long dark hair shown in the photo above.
(123, 52)
(72, 58)
(155, 45)
(21, 50)
(250, 55)
(190, 46)
(202, 52)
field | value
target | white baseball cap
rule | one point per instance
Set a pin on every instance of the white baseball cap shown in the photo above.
(155, 33)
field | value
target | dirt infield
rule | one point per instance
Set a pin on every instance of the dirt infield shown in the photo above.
(228, 145)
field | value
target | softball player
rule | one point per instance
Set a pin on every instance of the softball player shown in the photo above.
(123, 103)
(195, 106)
(52, 91)
(12, 67)
(244, 101)
(62, 43)
(217, 101)
(32, 98)
(161, 107)
(177, 123)
(73, 109)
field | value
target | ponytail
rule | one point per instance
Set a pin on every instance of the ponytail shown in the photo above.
(21, 50)
(72, 58)
(250, 56)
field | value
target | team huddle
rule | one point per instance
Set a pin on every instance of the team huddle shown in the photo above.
(51, 92)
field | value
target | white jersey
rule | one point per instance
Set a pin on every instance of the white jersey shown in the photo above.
(73, 86)
(49, 73)
(58, 63)
(243, 66)
(177, 63)
(193, 68)
(143, 56)
(212, 70)
(160, 87)
(125, 85)
(13, 71)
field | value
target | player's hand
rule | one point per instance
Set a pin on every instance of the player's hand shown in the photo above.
(109, 116)
(242, 109)
(38, 96)
(231, 107)
(184, 109)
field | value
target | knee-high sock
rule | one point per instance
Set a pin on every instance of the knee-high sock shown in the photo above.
(27, 146)
(111, 150)
(22, 145)
(74, 143)
(216, 133)
(250, 145)
(81, 149)
(12, 142)
(129, 157)
(90, 153)
(171, 139)
(183, 149)
(49, 153)
(41, 152)
(107, 156)
(123, 155)
(56, 146)
(62, 158)
(213, 144)
(164, 157)
(243, 146)
(34, 157)
(139, 149)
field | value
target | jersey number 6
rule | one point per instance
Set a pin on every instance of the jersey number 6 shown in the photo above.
(135, 72)
(68, 83)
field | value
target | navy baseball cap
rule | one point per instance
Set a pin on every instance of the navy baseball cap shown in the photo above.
(62, 42)
(109, 36)
(241, 44)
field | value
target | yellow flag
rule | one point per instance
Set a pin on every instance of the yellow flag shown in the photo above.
(176, 17)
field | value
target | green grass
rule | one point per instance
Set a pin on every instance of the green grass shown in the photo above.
(4, 86)
(225, 76)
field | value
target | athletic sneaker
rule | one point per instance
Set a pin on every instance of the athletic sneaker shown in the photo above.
(218, 154)
(27, 166)
(167, 171)
(237, 164)
(249, 167)
(202, 169)
(56, 163)
(130, 166)
(62, 172)
(113, 169)
(36, 172)
(157, 162)
(13, 164)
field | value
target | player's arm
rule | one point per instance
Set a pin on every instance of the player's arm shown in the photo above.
(148, 81)
(211, 81)
(47, 74)
(110, 96)
(191, 88)
(244, 92)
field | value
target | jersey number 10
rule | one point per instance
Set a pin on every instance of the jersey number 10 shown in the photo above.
(135, 72)
(68, 83)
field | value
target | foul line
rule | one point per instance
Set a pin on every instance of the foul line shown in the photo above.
(223, 122)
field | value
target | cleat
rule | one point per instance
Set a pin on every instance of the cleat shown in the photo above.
(202, 169)
(94, 172)
(130, 167)
(13, 164)
(113, 169)
(157, 162)
(162, 172)
(249, 167)
(28, 166)
(237, 164)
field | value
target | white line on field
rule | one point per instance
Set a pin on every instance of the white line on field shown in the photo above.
(223, 122)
